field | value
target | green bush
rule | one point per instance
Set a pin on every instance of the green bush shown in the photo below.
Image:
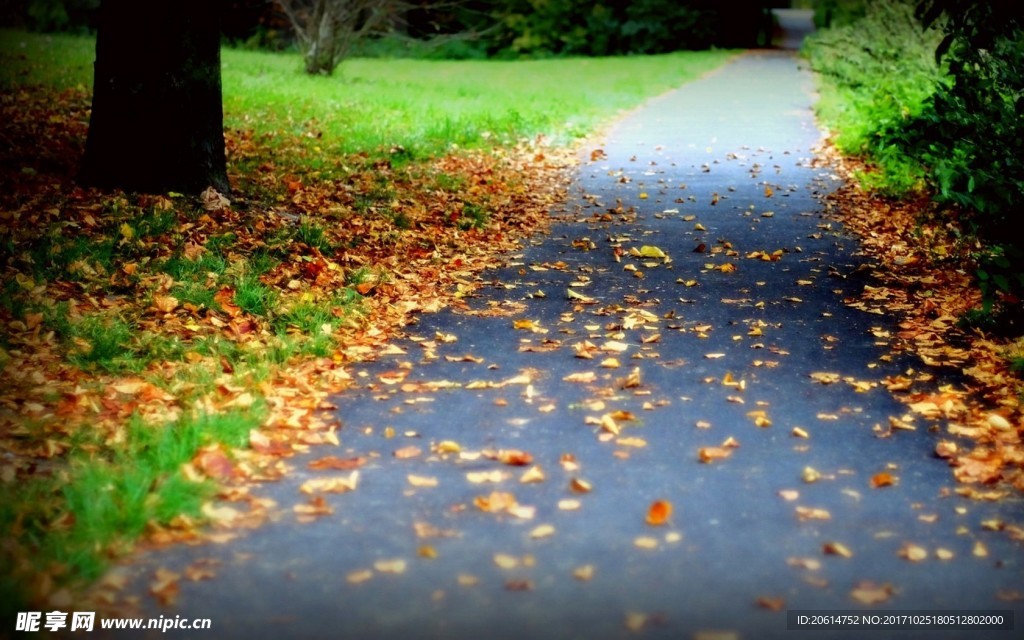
(539, 28)
(878, 73)
(955, 128)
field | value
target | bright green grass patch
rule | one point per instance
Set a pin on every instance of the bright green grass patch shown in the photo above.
(424, 106)
(113, 498)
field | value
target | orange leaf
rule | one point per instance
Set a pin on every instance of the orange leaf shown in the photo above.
(659, 512)
(883, 479)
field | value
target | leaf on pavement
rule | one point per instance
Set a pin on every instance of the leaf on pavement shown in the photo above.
(337, 484)
(659, 512)
(867, 592)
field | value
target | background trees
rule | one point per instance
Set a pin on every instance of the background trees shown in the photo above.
(327, 30)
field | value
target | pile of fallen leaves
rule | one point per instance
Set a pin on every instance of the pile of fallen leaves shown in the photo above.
(398, 238)
(924, 272)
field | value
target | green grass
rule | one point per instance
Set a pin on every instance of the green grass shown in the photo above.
(423, 106)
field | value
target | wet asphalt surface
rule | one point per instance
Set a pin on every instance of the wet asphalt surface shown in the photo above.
(689, 174)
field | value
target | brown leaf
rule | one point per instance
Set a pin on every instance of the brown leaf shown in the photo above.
(836, 549)
(164, 586)
(771, 603)
(334, 463)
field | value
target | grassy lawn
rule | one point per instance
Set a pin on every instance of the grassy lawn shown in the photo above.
(160, 351)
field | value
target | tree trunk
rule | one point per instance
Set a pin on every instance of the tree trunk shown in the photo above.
(157, 121)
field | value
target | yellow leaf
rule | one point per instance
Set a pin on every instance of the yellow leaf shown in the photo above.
(360, 575)
(421, 481)
(479, 477)
(533, 474)
(573, 295)
(913, 552)
(390, 566)
(871, 593)
(569, 504)
(650, 251)
(542, 531)
(646, 542)
(582, 376)
(338, 484)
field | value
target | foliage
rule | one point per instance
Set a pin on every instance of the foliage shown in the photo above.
(838, 13)
(955, 128)
(328, 29)
(545, 27)
(70, 16)
(876, 75)
(971, 134)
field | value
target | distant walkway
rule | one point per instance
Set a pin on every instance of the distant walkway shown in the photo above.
(682, 341)
(793, 26)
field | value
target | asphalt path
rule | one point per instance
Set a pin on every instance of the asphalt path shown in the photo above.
(691, 297)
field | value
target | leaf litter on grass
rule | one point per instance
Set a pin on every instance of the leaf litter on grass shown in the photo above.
(167, 307)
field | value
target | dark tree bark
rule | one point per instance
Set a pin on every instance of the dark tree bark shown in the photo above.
(157, 120)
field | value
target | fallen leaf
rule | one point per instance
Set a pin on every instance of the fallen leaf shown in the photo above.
(335, 463)
(580, 485)
(836, 549)
(711, 454)
(913, 552)
(164, 586)
(771, 603)
(495, 502)
(390, 566)
(569, 504)
(883, 479)
(659, 512)
(533, 474)
(646, 542)
(809, 513)
(519, 584)
(359, 575)
(480, 477)
(338, 484)
(542, 531)
(867, 592)
(421, 481)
